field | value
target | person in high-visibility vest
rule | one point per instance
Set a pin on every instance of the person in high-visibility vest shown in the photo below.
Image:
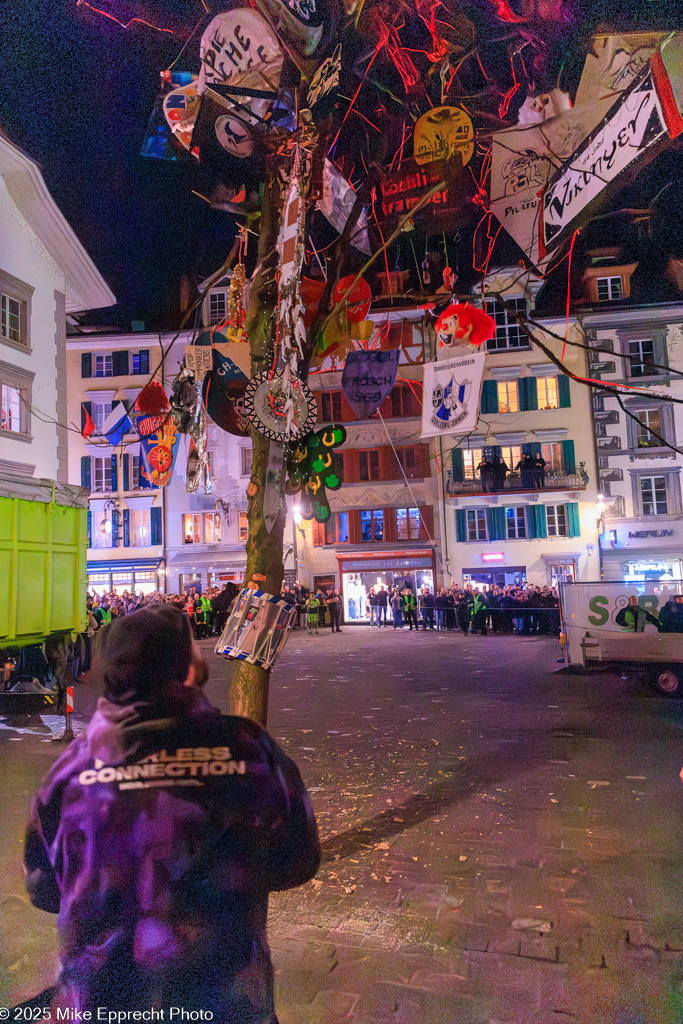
(312, 613)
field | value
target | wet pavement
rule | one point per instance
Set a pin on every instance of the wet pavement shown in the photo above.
(502, 842)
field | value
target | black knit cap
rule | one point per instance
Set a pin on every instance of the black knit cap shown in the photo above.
(145, 651)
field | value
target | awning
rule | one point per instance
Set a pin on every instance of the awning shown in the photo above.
(128, 566)
(219, 559)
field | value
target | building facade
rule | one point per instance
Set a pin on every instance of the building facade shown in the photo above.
(524, 526)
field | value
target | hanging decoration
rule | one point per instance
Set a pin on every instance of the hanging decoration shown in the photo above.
(367, 379)
(239, 48)
(158, 434)
(302, 22)
(541, 107)
(199, 360)
(460, 325)
(336, 203)
(181, 106)
(322, 92)
(315, 466)
(163, 139)
(257, 629)
(236, 313)
(189, 416)
(444, 133)
(224, 388)
(450, 403)
(280, 410)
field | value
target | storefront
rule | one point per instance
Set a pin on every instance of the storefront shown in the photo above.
(137, 577)
(502, 576)
(360, 572)
(634, 552)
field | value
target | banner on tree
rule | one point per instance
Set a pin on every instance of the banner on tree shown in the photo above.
(367, 379)
(451, 395)
(158, 434)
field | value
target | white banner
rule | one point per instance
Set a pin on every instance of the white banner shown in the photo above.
(450, 403)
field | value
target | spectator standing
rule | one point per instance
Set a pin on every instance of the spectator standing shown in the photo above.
(409, 607)
(312, 613)
(382, 602)
(396, 605)
(428, 609)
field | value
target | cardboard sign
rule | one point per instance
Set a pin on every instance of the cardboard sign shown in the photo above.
(367, 379)
(337, 201)
(258, 627)
(442, 133)
(450, 403)
(181, 106)
(240, 48)
(198, 360)
(401, 190)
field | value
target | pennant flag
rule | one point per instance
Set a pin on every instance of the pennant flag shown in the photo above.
(451, 395)
(116, 425)
(88, 425)
(367, 379)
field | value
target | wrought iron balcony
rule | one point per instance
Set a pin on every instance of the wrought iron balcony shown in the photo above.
(514, 484)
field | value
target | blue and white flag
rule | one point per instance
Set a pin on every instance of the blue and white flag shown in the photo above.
(116, 425)
(450, 403)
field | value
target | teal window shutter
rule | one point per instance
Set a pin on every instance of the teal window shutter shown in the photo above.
(541, 521)
(489, 397)
(89, 529)
(496, 522)
(126, 528)
(531, 448)
(563, 391)
(460, 524)
(491, 523)
(531, 522)
(155, 525)
(125, 462)
(120, 364)
(85, 472)
(568, 457)
(458, 465)
(573, 519)
(528, 393)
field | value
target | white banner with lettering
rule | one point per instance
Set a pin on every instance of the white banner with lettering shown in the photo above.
(450, 404)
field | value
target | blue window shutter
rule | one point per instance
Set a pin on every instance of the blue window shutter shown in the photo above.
(574, 522)
(126, 528)
(528, 393)
(530, 522)
(85, 471)
(119, 362)
(541, 521)
(460, 525)
(568, 457)
(114, 529)
(86, 364)
(489, 397)
(458, 465)
(563, 391)
(114, 475)
(125, 463)
(531, 448)
(496, 523)
(89, 529)
(86, 410)
(155, 525)
(144, 360)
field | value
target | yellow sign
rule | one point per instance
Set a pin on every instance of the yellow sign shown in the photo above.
(442, 133)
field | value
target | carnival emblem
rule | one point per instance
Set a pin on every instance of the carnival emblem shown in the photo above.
(280, 410)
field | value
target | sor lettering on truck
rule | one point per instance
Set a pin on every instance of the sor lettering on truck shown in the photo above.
(599, 606)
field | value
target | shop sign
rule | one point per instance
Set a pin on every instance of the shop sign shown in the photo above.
(403, 189)
(382, 564)
(642, 534)
(493, 556)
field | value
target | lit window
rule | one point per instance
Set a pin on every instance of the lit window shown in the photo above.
(653, 495)
(11, 409)
(371, 525)
(101, 538)
(407, 523)
(244, 527)
(10, 319)
(510, 455)
(218, 307)
(192, 528)
(342, 527)
(610, 288)
(330, 406)
(469, 461)
(508, 398)
(552, 454)
(212, 528)
(476, 524)
(516, 522)
(649, 420)
(101, 474)
(245, 461)
(140, 527)
(368, 465)
(557, 520)
(100, 411)
(548, 397)
(508, 332)
(104, 365)
(641, 355)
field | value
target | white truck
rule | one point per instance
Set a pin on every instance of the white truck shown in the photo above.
(593, 636)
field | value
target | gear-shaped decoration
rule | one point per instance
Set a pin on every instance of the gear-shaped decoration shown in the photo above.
(279, 412)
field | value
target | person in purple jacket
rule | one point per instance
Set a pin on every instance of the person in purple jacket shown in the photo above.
(157, 836)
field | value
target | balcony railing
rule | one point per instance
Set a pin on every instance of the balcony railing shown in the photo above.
(514, 484)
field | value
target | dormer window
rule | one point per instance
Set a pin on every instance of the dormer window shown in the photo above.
(610, 288)
(218, 306)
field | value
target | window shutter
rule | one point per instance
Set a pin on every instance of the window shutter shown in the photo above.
(460, 525)
(531, 448)
(125, 463)
(85, 472)
(563, 391)
(489, 397)
(495, 521)
(528, 393)
(155, 524)
(568, 457)
(351, 466)
(89, 529)
(573, 520)
(318, 533)
(126, 528)
(114, 475)
(541, 520)
(119, 362)
(390, 530)
(422, 462)
(144, 360)
(659, 349)
(458, 465)
(86, 410)
(86, 364)
(427, 522)
(114, 528)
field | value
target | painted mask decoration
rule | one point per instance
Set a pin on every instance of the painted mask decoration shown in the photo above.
(459, 325)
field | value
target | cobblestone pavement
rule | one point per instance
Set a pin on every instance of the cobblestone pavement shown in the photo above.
(502, 842)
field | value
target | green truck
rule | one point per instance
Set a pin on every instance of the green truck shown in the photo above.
(43, 546)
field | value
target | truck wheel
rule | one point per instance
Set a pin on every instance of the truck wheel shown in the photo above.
(667, 680)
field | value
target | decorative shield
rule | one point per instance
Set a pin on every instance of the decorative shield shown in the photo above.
(158, 434)
(277, 412)
(368, 378)
(443, 133)
(223, 392)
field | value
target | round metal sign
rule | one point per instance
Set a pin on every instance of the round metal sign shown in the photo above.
(442, 133)
(278, 413)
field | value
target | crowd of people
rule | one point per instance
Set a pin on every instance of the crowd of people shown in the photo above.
(493, 472)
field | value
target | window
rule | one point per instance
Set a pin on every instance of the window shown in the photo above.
(211, 462)
(10, 318)
(244, 527)
(212, 528)
(369, 465)
(218, 307)
(104, 365)
(140, 527)
(476, 523)
(192, 528)
(141, 361)
(404, 402)
(372, 525)
(552, 453)
(516, 522)
(337, 529)
(330, 406)
(557, 520)
(548, 396)
(101, 538)
(245, 461)
(407, 523)
(406, 459)
(508, 332)
(11, 409)
(100, 411)
(641, 355)
(101, 474)
(653, 495)
(470, 461)
(648, 420)
(135, 473)
(610, 288)
(508, 398)
(511, 454)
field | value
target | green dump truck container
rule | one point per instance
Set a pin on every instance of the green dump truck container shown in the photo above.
(43, 545)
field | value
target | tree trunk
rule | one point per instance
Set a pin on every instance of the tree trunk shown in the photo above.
(249, 690)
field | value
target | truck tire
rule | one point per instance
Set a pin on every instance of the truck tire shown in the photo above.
(668, 680)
